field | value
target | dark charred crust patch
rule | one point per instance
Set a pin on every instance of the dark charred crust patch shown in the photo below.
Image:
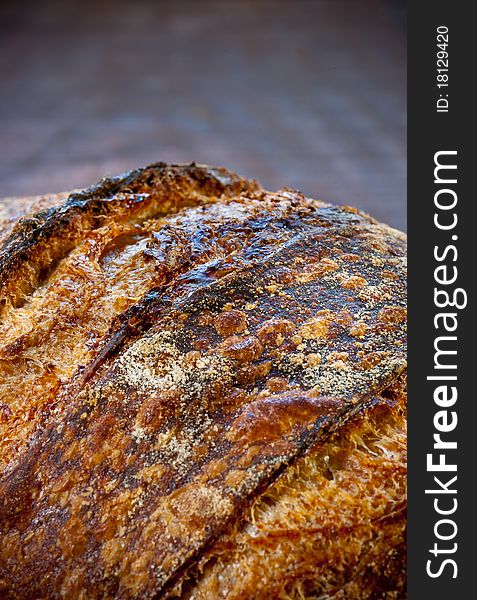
(89, 207)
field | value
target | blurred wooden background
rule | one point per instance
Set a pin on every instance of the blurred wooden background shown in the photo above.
(308, 94)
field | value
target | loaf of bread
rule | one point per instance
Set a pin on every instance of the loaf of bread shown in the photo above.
(202, 393)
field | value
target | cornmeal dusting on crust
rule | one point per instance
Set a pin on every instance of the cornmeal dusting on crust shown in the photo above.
(155, 363)
(186, 362)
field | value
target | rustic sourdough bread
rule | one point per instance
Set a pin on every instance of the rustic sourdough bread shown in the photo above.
(202, 393)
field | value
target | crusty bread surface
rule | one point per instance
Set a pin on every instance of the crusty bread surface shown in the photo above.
(202, 393)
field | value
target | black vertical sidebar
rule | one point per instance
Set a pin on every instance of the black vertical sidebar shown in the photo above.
(451, 133)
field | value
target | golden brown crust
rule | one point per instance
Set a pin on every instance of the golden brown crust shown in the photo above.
(332, 526)
(174, 340)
